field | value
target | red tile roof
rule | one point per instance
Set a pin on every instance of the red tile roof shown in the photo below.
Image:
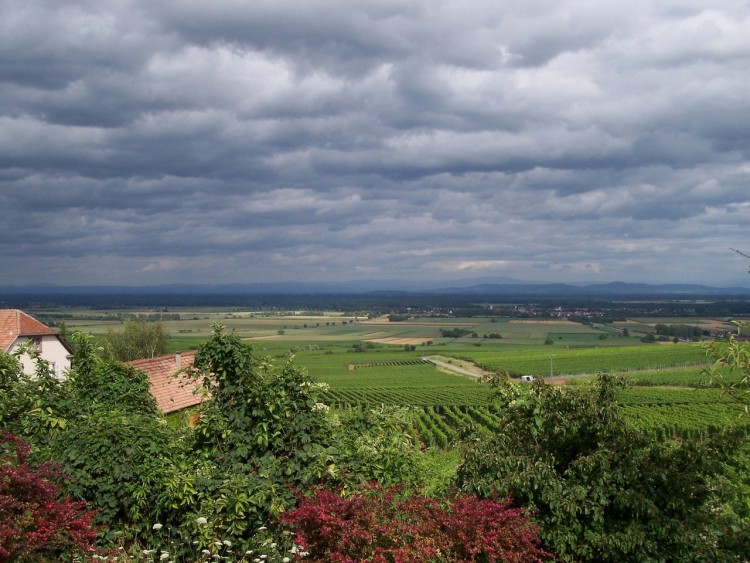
(15, 323)
(171, 393)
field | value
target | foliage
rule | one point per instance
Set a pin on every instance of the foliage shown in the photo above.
(10, 370)
(454, 332)
(256, 408)
(733, 355)
(199, 505)
(137, 340)
(114, 459)
(34, 524)
(263, 431)
(374, 444)
(391, 524)
(14, 400)
(601, 490)
(680, 331)
(31, 405)
(97, 383)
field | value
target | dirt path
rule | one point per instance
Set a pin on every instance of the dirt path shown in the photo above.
(463, 367)
(460, 367)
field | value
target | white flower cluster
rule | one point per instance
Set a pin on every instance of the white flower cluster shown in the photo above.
(320, 407)
(317, 386)
(298, 550)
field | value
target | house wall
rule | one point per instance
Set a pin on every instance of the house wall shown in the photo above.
(52, 350)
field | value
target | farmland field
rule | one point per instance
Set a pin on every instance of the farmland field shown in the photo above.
(540, 361)
(373, 362)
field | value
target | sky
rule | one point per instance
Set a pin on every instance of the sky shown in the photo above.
(237, 141)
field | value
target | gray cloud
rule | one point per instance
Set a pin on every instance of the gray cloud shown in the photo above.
(147, 142)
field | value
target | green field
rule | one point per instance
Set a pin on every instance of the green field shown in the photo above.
(553, 360)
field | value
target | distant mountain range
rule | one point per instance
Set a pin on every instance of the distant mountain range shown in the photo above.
(394, 287)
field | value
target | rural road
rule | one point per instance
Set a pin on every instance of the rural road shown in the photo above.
(451, 367)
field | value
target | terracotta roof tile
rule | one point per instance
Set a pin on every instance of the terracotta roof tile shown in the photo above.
(171, 393)
(15, 323)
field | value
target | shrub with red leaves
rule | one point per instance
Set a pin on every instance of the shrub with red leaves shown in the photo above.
(34, 524)
(391, 524)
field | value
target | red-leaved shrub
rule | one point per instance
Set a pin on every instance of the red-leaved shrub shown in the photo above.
(34, 524)
(394, 525)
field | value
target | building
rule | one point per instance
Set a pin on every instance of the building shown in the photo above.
(17, 328)
(172, 392)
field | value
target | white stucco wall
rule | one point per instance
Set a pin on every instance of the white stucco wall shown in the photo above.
(52, 350)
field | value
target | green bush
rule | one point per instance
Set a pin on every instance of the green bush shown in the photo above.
(601, 490)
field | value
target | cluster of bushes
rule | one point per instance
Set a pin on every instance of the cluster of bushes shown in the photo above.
(392, 524)
(454, 332)
(271, 471)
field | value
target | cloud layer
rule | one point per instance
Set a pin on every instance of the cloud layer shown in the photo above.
(229, 141)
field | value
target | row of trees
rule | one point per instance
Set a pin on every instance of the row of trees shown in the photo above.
(680, 331)
(271, 470)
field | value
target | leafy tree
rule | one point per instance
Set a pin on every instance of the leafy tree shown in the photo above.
(137, 340)
(97, 382)
(601, 490)
(254, 407)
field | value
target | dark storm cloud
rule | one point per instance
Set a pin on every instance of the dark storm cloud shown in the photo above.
(145, 142)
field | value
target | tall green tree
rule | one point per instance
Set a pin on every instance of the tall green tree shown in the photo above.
(256, 408)
(137, 340)
(600, 489)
